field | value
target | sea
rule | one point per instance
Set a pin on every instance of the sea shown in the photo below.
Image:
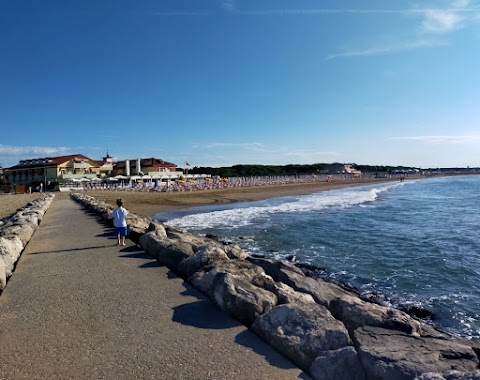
(416, 243)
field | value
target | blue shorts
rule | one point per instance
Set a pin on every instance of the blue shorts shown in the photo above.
(122, 231)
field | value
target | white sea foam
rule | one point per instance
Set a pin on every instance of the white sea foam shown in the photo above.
(243, 216)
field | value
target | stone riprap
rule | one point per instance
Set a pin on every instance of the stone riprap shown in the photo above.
(325, 329)
(16, 231)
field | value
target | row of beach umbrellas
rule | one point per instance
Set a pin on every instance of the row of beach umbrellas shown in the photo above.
(132, 178)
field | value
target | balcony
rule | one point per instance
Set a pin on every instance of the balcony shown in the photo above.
(80, 165)
(68, 176)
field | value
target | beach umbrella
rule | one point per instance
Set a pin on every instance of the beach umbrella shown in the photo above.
(111, 179)
(84, 180)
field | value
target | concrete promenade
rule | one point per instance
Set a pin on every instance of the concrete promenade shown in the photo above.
(79, 307)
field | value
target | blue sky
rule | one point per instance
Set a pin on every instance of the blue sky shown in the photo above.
(218, 83)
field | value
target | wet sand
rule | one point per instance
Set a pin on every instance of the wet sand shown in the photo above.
(150, 203)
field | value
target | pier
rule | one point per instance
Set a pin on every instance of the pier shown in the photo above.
(80, 307)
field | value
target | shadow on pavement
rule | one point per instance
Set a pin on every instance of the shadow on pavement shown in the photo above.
(252, 341)
(72, 249)
(108, 233)
(204, 315)
(135, 252)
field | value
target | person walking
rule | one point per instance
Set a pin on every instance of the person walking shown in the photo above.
(119, 215)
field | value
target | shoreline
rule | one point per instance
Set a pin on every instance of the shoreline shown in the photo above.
(150, 203)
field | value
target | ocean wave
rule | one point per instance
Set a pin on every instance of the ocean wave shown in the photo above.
(244, 216)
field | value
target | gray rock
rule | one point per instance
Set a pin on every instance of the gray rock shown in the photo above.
(10, 249)
(21, 219)
(273, 268)
(284, 293)
(393, 355)
(158, 227)
(322, 292)
(203, 279)
(195, 241)
(11, 245)
(137, 226)
(233, 251)
(23, 231)
(341, 364)
(168, 252)
(301, 332)
(204, 256)
(354, 313)
(451, 375)
(244, 301)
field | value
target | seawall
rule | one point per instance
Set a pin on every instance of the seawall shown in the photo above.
(16, 231)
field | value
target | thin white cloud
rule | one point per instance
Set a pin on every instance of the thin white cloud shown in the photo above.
(459, 6)
(433, 21)
(442, 21)
(388, 49)
(228, 5)
(10, 150)
(459, 139)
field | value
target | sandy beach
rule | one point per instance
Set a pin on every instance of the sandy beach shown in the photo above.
(150, 203)
(9, 203)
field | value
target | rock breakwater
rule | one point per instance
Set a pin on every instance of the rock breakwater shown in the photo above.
(16, 231)
(324, 328)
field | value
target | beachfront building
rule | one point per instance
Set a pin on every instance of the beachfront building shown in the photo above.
(51, 170)
(338, 168)
(75, 169)
(147, 168)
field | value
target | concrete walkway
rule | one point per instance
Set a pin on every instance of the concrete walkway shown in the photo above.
(79, 307)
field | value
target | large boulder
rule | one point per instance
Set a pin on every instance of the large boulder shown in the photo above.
(301, 332)
(12, 246)
(393, 355)
(238, 297)
(168, 252)
(137, 226)
(341, 364)
(354, 313)
(22, 219)
(273, 267)
(158, 228)
(10, 249)
(234, 251)
(203, 279)
(284, 293)
(322, 292)
(23, 231)
(204, 256)
(195, 241)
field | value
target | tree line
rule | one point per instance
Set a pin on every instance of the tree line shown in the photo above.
(285, 170)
